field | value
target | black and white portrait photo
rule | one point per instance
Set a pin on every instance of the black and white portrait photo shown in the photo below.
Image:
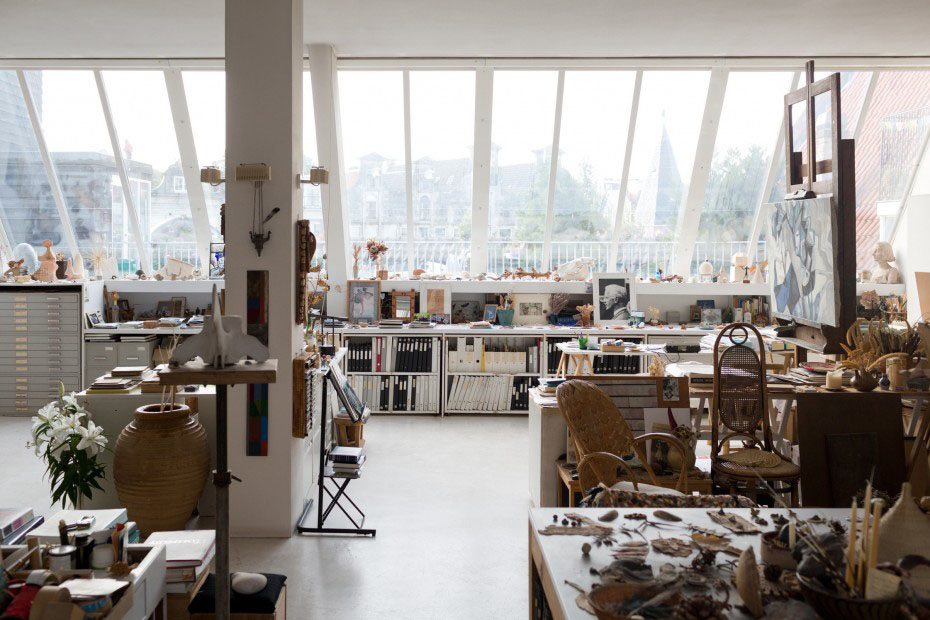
(614, 297)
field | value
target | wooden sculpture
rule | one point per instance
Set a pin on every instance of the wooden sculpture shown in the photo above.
(47, 265)
(586, 311)
(222, 342)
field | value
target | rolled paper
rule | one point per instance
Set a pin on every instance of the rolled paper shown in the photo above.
(865, 516)
(792, 533)
(873, 540)
(851, 549)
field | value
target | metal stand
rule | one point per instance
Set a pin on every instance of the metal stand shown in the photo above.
(322, 512)
(222, 478)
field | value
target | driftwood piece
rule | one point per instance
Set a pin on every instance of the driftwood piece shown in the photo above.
(733, 522)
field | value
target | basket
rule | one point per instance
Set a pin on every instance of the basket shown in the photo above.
(752, 457)
(604, 597)
(832, 605)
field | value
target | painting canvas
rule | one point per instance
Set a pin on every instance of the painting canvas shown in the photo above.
(800, 243)
(614, 300)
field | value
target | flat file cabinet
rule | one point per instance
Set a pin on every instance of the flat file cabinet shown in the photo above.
(100, 357)
(40, 346)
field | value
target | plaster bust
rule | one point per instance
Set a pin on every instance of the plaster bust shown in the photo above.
(884, 273)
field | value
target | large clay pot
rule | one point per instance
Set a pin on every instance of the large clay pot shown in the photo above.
(161, 465)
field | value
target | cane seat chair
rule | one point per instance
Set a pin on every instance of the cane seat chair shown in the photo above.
(601, 436)
(740, 407)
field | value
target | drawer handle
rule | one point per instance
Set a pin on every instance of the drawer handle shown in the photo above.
(100, 358)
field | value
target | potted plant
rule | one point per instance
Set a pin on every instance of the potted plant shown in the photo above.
(376, 251)
(69, 442)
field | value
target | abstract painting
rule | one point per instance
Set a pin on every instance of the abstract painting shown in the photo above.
(800, 237)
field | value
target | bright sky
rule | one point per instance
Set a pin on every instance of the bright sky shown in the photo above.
(595, 114)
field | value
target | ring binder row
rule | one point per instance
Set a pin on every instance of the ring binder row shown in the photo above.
(497, 355)
(398, 393)
(603, 365)
(392, 354)
(489, 394)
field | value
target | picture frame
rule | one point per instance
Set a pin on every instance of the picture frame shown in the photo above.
(93, 318)
(357, 410)
(530, 309)
(217, 260)
(436, 299)
(490, 312)
(712, 316)
(694, 314)
(656, 421)
(125, 310)
(466, 311)
(178, 306)
(403, 304)
(614, 297)
(363, 302)
(163, 309)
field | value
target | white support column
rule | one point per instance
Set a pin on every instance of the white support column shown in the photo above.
(481, 175)
(264, 123)
(123, 170)
(408, 177)
(703, 156)
(50, 171)
(553, 173)
(177, 98)
(866, 104)
(774, 161)
(5, 242)
(614, 249)
(329, 151)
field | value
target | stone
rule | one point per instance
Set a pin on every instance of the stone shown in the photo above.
(248, 583)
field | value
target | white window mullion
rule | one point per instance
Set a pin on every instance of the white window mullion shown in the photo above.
(190, 166)
(690, 219)
(866, 103)
(553, 173)
(123, 172)
(774, 161)
(50, 171)
(408, 172)
(613, 251)
(481, 174)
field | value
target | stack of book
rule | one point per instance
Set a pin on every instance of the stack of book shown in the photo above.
(91, 337)
(138, 338)
(189, 554)
(15, 523)
(120, 380)
(347, 461)
(815, 378)
(151, 383)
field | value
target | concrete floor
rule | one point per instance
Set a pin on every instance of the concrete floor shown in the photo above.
(448, 496)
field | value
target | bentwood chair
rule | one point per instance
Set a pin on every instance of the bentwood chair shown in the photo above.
(740, 406)
(602, 436)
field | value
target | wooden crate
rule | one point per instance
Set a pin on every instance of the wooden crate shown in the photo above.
(350, 434)
(280, 612)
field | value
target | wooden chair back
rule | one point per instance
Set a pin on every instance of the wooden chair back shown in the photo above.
(740, 401)
(592, 418)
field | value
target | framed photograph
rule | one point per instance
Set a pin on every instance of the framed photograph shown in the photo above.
(614, 297)
(706, 304)
(93, 318)
(364, 301)
(490, 312)
(125, 310)
(712, 316)
(163, 309)
(217, 260)
(694, 314)
(530, 309)
(656, 420)
(466, 311)
(436, 299)
(403, 304)
(178, 305)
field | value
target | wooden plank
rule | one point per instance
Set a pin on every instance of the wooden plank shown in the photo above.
(242, 373)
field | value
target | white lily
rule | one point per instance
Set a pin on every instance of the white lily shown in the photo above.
(92, 438)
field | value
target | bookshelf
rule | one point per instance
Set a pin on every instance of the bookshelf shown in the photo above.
(396, 373)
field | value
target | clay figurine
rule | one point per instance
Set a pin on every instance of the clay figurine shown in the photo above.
(885, 273)
(47, 265)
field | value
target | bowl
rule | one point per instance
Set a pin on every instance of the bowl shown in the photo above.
(833, 605)
(776, 555)
(604, 598)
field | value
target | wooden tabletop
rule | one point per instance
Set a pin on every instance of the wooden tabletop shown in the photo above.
(242, 373)
(562, 559)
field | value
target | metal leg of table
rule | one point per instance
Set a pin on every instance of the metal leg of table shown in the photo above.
(221, 480)
(917, 414)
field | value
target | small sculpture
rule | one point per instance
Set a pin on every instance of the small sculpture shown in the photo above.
(47, 265)
(222, 342)
(77, 267)
(722, 277)
(586, 311)
(706, 271)
(578, 269)
(885, 273)
(14, 268)
(758, 272)
(654, 315)
(98, 257)
(739, 272)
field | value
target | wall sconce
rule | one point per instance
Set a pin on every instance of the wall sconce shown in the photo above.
(318, 176)
(211, 175)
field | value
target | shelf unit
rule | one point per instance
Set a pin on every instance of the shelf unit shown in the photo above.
(382, 389)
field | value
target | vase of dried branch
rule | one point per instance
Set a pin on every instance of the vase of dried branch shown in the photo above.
(864, 381)
(160, 467)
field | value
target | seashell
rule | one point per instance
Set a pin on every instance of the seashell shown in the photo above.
(666, 516)
(925, 503)
(747, 582)
(610, 515)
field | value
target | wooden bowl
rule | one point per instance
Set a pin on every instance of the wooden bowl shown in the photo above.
(832, 605)
(777, 556)
(605, 597)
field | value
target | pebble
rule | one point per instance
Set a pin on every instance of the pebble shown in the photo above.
(586, 548)
(610, 515)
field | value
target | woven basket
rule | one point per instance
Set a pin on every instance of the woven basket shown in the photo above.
(752, 457)
(603, 598)
(832, 605)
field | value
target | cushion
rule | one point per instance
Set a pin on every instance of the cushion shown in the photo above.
(783, 471)
(263, 602)
(650, 489)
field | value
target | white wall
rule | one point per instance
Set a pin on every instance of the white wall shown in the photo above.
(911, 241)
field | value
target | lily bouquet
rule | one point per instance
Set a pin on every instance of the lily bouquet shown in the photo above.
(69, 442)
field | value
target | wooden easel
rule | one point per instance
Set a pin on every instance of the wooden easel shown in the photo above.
(834, 175)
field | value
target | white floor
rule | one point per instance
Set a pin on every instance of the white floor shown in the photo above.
(448, 496)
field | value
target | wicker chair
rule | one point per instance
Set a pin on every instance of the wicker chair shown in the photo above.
(740, 404)
(601, 436)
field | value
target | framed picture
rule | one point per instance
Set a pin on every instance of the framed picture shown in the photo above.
(614, 297)
(178, 305)
(403, 304)
(364, 301)
(656, 420)
(712, 316)
(163, 309)
(125, 310)
(217, 260)
(93, 318)
(466, 311)
(490, 312)
(354, 407)
(694, 314)
(436, 300)
(530, 309)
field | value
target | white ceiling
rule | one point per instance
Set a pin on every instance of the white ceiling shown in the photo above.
(396, 28)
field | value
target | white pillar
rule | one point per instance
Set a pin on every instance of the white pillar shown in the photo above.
(481, 176)
(264, 110)
(329, 150)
